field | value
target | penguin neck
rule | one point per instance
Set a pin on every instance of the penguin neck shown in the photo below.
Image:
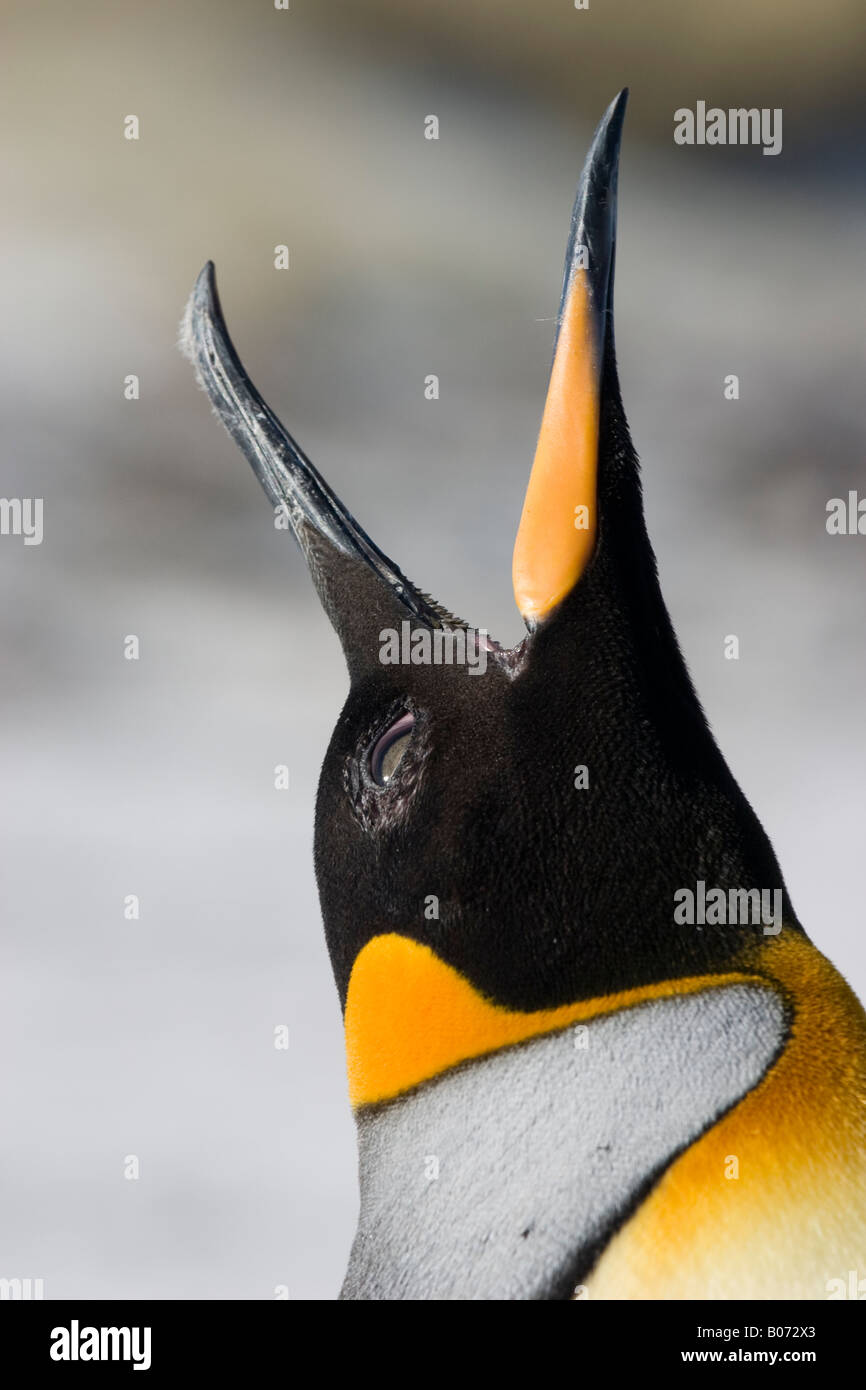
(504, 1178)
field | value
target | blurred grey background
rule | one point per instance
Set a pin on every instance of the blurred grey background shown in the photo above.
(408, 257)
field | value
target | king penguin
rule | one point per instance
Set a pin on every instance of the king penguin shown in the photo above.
(565, 1083)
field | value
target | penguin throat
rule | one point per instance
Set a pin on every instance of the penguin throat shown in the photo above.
(506, 1177)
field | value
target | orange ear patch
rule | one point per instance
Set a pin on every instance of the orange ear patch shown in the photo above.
(557, 531)
(409, 1016)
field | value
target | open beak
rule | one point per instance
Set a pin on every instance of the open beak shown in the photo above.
(559, 524)
(357, 583)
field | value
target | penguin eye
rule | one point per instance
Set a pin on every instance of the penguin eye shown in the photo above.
(389, 749)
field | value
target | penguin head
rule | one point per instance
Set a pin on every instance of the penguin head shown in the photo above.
(500, 832)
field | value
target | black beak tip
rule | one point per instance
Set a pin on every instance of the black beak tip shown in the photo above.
(593, 218)
(205, 290)
(201, 320)
(604, 152)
